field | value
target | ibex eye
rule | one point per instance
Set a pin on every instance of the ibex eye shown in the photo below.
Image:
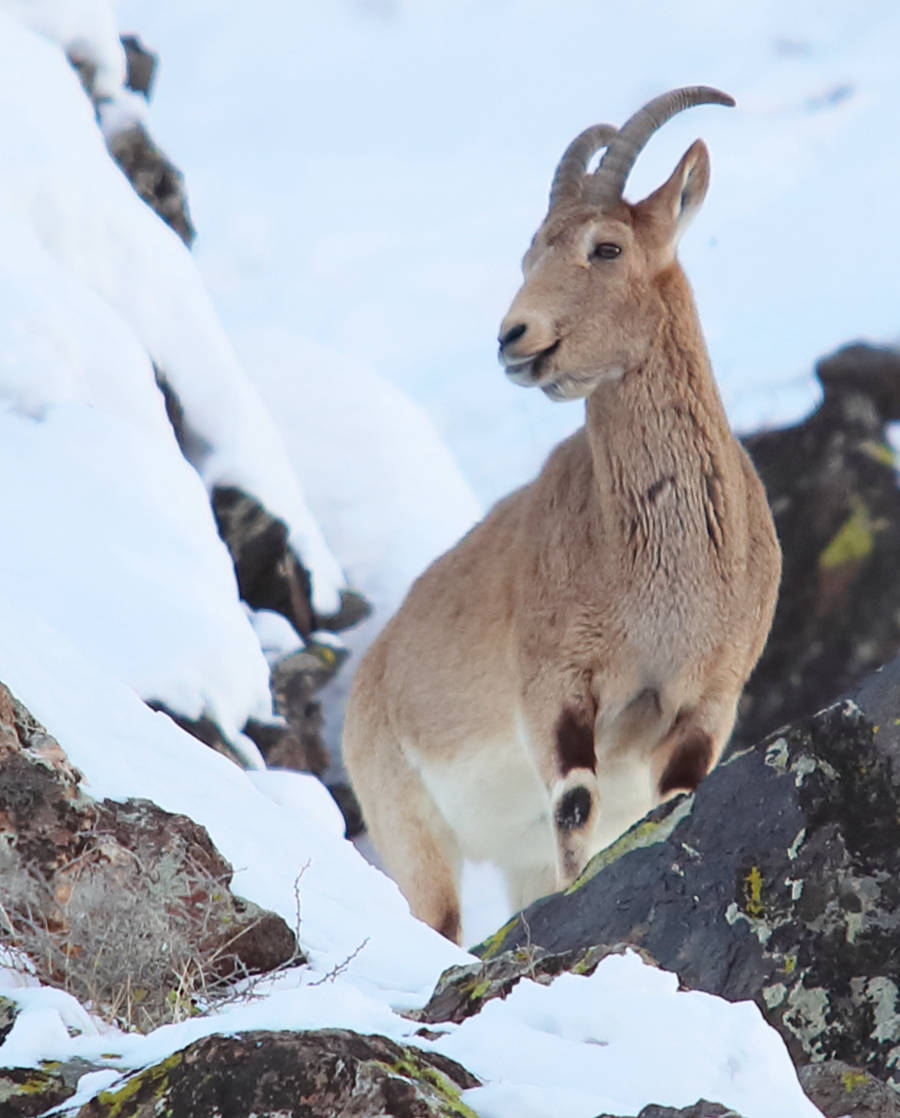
(606, 250)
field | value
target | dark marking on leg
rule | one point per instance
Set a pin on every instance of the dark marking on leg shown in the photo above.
(575, 740)
(574, 809)
(689, 762)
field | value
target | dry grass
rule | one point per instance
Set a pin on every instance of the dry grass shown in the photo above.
(139, 946)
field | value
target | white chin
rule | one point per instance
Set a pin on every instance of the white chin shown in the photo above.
(576, 387)
(557, 391)
(523, 375)
(561, 390)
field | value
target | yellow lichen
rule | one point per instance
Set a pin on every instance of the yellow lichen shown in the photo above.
(116, 1101)
(493, 945)
(790, 964)
(853, 1079)
(880, 451)
(645, 833)
(412, 1068)
(479, 990)
(753, 882)
(853, 540)
(38, 1083)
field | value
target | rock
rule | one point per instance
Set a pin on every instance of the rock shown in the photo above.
(154, 177)
(27, 1092)
(269, 574)
(140, 66)
(700, 1109)
(838, 1089)
(41, 801)
(73, 867)
(778, 881)
(8, 1012)
(346, 800)
(191, 443)
(257, 941)
(353, 609)
(315, 1074)
(462, 991)
(296, 678)
(292, 747)
(209, 732)
(831, 482)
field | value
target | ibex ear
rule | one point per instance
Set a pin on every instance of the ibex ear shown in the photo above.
(674, 204)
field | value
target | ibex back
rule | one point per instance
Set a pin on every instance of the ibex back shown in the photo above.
(579, 655)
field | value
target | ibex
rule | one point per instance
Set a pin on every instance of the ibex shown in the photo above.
(579, 655)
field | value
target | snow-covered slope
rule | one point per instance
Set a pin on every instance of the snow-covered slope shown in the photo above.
(114, 538)
(614, 1042)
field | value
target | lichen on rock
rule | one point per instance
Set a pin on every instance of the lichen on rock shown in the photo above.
(314, 1074)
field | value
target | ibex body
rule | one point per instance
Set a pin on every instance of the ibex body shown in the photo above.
(579, 655)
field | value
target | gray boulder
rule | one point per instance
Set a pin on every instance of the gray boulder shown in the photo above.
(317, 1074)
(832, 485)
(777, 881)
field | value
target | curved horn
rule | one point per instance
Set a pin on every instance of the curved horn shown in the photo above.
(608, 181)
(568, 180)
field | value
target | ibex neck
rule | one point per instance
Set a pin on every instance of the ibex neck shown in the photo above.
(659, 437)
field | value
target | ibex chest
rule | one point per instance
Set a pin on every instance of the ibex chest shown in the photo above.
(651, 588)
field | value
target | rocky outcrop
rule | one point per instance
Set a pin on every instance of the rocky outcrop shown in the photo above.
(462, 991)
(8, 1012)
(269, 574)
(136, 892)
(154, 177)
(700, 1109)
(832, 484)
(29, 1092)
(842, 1091)
(315, 1074)
(778, 881)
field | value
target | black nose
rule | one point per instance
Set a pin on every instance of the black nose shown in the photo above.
(512, 334)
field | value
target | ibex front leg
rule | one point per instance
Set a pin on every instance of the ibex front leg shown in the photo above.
(562, 747)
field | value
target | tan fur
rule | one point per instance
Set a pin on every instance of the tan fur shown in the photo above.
(579, 655)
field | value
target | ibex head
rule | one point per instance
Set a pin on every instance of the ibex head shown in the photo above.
(590, 303)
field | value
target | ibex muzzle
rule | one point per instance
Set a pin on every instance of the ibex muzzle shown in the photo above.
(579, 655)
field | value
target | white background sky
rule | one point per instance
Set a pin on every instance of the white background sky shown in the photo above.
(369, 174)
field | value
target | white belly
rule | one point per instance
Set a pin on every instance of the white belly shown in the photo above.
(494, 802)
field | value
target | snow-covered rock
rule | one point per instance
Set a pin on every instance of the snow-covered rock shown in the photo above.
(116, 543)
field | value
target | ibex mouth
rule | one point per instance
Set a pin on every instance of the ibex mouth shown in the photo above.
(527, 371)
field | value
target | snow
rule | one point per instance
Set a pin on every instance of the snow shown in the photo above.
(365, 178)
(577, 1047)
(78, 219)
